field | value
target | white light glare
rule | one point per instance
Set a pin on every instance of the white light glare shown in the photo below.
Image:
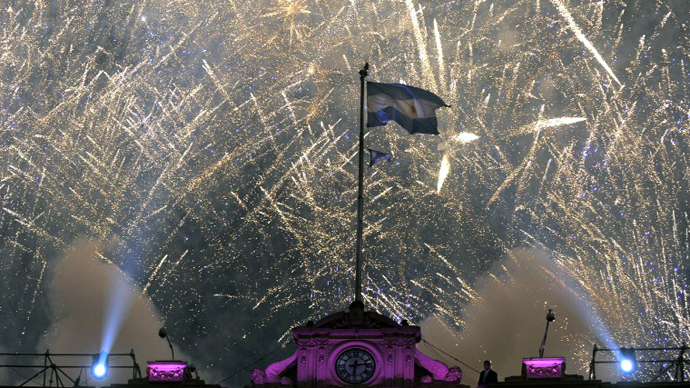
(99, 371)
(466, 137)
(626, 365)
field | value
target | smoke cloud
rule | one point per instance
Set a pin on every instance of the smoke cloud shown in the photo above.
(506, 321)
(81, 300)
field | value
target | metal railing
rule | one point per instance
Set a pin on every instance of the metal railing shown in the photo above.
(52, 372)
(678, 363)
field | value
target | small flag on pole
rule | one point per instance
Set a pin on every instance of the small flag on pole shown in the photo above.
(375, 156)
(413, 108)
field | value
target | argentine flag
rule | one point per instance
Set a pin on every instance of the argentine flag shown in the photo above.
(413, 108)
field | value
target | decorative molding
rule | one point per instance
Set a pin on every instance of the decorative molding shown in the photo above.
(312, 342)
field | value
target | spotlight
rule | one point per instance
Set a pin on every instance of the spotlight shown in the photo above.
(627, 360)
(99, 371)
(99, 367)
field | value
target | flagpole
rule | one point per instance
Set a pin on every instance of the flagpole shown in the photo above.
(360, 201)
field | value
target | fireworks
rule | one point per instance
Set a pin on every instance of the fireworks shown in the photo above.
(217, 141)
(466, 137)
(443, 173)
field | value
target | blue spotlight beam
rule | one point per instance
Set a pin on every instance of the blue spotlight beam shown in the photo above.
(120, 299)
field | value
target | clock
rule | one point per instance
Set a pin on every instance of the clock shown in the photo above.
(355, 366)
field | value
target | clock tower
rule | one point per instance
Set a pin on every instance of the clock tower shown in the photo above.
(357, 348)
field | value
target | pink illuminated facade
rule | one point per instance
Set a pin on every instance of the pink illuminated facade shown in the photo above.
(357, 349)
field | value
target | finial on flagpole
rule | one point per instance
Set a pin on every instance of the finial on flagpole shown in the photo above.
(365, 71)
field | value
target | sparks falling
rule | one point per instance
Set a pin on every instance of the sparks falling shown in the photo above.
(560, 121)
(221, 137)
(443, 173)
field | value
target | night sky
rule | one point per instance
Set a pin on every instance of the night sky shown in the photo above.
(193, 164)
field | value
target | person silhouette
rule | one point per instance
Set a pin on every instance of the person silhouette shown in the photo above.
(487, 376)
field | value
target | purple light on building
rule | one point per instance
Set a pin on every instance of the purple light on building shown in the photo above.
(166, 371)
(546, 367)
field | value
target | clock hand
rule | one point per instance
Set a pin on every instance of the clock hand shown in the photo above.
(353, 365)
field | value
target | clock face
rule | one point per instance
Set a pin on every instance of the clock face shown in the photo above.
(355, 366)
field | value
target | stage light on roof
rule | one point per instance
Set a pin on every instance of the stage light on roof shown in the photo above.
(627, 360)
(99, 368)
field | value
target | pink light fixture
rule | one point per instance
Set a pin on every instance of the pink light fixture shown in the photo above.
(544, 367)
(166, 371)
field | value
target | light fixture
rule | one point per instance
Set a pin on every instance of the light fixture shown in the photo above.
(627, 360)
(168, 371)
(99, 366)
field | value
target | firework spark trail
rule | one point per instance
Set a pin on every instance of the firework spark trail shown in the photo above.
(527, 162)
(226, 136)
(37, 290)
(443, 173)
(582, 38)
(153, 275)
(466, 137)
(560, 121)
(439, 53)
(421, 39)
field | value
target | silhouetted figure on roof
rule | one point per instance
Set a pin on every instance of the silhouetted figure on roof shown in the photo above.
(487, 376)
